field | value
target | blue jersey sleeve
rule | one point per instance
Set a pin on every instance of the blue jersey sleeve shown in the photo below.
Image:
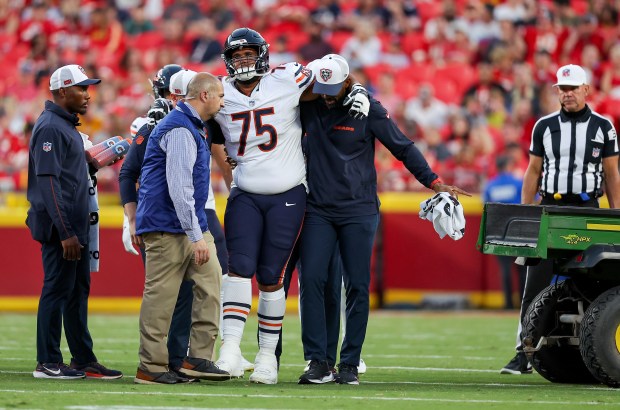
(132, 165)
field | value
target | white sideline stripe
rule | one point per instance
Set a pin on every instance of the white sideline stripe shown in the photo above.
(438, 369)
(529, 386)
(21, 349)
(335, 397)
(422, 356)
(545, 386)
(151, 407)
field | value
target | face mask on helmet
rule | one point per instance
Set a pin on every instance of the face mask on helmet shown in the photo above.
(161, 82)
(246, 68)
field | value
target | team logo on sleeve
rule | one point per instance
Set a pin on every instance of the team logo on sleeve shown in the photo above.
(47, 146)
(596, 152)
(325, 74)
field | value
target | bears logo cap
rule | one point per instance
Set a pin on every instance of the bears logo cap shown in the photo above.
(572, 75)
(70, 75)
(329, 75)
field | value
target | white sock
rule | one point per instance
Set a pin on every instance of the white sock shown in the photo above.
(236, 305)
(224, 280)
(271, 308)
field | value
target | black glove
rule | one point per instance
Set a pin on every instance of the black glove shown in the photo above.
(160, 108)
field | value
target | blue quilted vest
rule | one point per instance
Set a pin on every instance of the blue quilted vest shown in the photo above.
(156, 212)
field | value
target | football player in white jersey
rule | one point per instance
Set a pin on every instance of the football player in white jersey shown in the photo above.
(262, 128)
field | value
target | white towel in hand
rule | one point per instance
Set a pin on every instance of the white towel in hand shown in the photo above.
(446, 214)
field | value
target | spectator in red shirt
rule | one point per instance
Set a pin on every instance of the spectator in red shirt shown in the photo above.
(576, 38)
(610, 81)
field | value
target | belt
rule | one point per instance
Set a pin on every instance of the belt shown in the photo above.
(570, 198)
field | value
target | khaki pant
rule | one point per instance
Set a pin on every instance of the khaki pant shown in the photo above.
(169, 260)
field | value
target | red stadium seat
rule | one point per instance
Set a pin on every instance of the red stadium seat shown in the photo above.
(337, 39)
(373, 72)
(446, 90)
(463, 75)
(610, 106)
(296, 41)
(418, 72)
(429, 9)
(406, 84)
(413, 41)
(580, 7)
(147, 40)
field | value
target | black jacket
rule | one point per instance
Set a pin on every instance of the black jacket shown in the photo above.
(57, 177)
(340, 156)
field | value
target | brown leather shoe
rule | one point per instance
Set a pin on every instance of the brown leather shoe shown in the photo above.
(146, 377)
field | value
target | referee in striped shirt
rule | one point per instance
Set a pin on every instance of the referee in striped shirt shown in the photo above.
(573, 156)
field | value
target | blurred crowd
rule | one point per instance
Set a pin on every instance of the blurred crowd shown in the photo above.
(465, 79)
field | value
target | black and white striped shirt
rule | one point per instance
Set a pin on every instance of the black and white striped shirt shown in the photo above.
(573, 148)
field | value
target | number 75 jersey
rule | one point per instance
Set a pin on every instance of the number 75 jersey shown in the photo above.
(263, 131)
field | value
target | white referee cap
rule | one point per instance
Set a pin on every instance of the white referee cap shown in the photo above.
(572, 75)
(70, 75)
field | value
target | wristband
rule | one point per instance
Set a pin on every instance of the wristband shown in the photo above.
(435, 182)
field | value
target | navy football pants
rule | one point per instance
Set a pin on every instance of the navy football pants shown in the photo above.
(355, 237)
(64, 300)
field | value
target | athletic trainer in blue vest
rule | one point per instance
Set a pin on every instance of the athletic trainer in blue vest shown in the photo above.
(178, 335)
(343, 207)
(59, 219)
(174, 187)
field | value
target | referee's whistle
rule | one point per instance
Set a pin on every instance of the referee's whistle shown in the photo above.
(557, 196)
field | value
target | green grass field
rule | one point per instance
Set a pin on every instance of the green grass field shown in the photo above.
(418, 360)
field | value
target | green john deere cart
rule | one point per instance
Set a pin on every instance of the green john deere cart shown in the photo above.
(571, 331)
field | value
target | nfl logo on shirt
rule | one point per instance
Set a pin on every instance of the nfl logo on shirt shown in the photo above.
(596, 152)
(47, 146)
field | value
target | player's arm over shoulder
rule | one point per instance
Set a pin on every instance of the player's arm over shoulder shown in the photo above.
(293, 75)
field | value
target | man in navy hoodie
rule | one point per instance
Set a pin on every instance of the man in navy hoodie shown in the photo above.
(59, 218)
(343, 208)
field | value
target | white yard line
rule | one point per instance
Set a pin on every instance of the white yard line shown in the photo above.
(439, 369)
(331, 397)
(151, 407)
(428, 356)
(392, 383)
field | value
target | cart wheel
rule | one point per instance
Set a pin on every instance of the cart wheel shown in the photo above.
(599, 340)
(561, 363)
